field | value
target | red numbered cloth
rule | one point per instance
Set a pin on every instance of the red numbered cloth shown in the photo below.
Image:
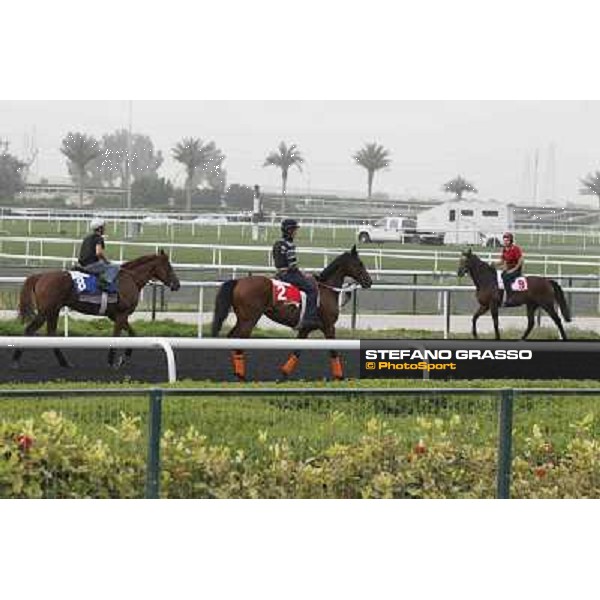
(285, 292)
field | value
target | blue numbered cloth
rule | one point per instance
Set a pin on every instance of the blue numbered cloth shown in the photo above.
(84, 283)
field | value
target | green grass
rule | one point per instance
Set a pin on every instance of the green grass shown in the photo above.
(241, 235)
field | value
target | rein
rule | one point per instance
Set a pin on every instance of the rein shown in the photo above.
(349, 287)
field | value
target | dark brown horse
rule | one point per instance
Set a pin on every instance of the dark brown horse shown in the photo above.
(43, 295)
(252, 297)
(540, 293)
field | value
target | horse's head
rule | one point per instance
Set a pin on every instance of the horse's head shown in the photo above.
(163, 271)
(466, 258)
(352, 266)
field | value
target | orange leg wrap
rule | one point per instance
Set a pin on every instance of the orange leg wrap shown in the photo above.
(336, 368)
(239, 364)
(290, 365)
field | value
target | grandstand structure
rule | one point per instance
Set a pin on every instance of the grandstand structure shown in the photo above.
(357, 211)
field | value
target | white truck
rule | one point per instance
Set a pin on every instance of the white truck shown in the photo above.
(396, 229)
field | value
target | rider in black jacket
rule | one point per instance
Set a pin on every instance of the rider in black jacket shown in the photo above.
(286, 263)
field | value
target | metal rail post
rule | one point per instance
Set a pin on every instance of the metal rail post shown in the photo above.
(448, 305)
(200, 310)
(505, 443)
(154, 429)
(154, 303)
(571, 294)
(414, 294)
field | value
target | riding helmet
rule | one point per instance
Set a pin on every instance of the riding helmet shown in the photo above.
(287, 225)
(96, 223)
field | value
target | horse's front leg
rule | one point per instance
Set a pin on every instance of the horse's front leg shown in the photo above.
(480, 311)
(494, 311)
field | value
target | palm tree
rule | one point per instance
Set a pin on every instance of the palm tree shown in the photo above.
(459, 186)
(591, 185)
(80, 149)
(372, 157)
(284, 158)
(199, 160)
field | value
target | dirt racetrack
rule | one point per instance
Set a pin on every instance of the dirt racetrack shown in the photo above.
(150, 366)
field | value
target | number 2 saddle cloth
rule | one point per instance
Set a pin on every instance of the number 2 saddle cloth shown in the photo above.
(286, 293)
(518, 285)
(88, 290)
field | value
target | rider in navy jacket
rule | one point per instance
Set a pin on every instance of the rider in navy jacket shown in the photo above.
(286, 263)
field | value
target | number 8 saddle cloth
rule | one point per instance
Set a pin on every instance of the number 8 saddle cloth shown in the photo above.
(87, 289)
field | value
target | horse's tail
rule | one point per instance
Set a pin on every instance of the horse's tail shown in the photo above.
(562, 301)
(222, 305)
(27, 299)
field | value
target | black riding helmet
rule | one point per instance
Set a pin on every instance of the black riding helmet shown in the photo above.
(287, 225)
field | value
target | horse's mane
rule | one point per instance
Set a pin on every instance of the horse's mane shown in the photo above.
(330, 268)
(483, 263)
(136, 262)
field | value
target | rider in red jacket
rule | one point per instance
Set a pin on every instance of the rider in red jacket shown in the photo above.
(511, 263)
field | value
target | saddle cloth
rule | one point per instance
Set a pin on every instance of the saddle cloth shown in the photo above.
(289, 294)
(518, 285)
(86, 287)
(86, 283)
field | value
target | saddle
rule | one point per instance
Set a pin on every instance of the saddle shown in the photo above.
(87, 289)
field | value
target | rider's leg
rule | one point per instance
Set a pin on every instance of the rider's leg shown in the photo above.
(507, 278)
(311, 317)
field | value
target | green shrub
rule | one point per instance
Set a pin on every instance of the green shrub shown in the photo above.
(50, 457)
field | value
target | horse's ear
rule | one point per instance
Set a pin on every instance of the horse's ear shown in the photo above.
(469, 251)
(353, 250)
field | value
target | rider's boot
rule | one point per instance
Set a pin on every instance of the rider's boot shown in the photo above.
(311, 318)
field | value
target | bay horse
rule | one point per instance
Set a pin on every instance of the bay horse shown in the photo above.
(253, 296)
(541, 292)
(43, 295)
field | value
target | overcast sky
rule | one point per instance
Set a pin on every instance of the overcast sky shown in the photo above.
(491, 143)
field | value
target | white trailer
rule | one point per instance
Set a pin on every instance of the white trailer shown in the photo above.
(468, 221)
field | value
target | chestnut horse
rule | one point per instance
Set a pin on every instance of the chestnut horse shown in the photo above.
(49, 292)
(251, 297)
(541, 292)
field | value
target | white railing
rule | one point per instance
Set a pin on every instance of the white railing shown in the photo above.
(170, 344)
(444, 298)
(558, 261)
